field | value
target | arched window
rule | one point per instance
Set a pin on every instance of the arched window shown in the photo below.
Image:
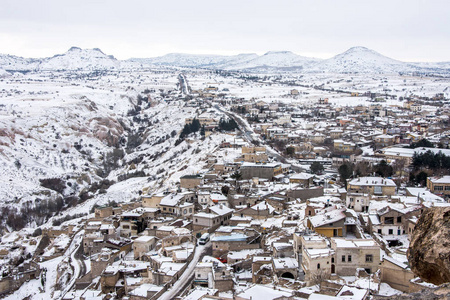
(318, 266)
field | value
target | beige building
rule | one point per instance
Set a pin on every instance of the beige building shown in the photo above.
(378, 186)
(351, 254)
(358, 202)
(439, 185)
(343, 146)
(190, 181)
(398, 275)
(267, 171)
(142, 245)
(316, 258)
(152, 201)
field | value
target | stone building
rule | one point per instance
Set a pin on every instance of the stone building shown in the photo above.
(351, 254)
(378, 186)
(398, 275)
(267, 171)
(317, 258)
(142, 245)
(190, 181)
(439, 185)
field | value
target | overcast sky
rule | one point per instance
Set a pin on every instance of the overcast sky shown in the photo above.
(412, 30)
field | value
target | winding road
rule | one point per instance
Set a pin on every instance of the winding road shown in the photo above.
(76, 261)
(187, 275)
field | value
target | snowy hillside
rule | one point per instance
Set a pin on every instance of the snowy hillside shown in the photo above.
(270, 60)
(274, 60)
(361, 60)
(80, 59)
(70, 143)
(12, 62)
(4, 73)
(355, 60)
(193, 60)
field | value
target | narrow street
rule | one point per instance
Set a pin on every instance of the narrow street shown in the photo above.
(187, 275)
(247, 133)
(77, 264)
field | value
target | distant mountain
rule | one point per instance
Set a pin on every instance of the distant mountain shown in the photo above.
(80, 59)
(4, 73)
(360, 60)
(273, 60)
(194, 60)
(17, 63)
(269, 61)
(355, 60)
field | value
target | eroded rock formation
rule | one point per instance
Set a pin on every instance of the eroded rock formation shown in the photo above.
(429, 251)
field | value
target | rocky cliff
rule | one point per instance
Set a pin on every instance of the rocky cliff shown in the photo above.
(440, 292)
(429, 251)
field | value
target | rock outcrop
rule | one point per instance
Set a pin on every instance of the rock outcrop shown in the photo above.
(440, 292)
(429, 250)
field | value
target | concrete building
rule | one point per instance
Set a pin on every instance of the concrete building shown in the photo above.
(358, 202)
(142, 245)
(317, 258)
(331, 223)
(190, 181)
(351, 254)
(439, 185)
(378, 186)
(267, 171)
(218, 215)
(398, 275)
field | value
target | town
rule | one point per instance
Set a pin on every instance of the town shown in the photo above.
(306, 189)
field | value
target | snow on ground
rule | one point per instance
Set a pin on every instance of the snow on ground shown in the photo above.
(35, 289)
(387, 290)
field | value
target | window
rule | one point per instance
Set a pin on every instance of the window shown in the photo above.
(332, 260)
(349, 258)
(399, 219)
(185, 211)
(198, 275)
(369, 258)
(377, 190)
(351, 199)
(379, 231)
(190, 210)
(447, 187)
(196, 220)
(388, 220)
(439, 188)
(318, 266)
(164, 208)
(343, 258)
(391, 231)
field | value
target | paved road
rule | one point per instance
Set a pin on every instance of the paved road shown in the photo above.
(247, 133)
(186, 276)
(184, 86)
(74, 261)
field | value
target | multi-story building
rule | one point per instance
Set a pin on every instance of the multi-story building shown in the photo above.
(439, 185)
(317, 258)
(351, 254)
(377, 186)
(267, 171)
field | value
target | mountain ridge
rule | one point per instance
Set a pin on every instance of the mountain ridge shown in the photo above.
(356, 59)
